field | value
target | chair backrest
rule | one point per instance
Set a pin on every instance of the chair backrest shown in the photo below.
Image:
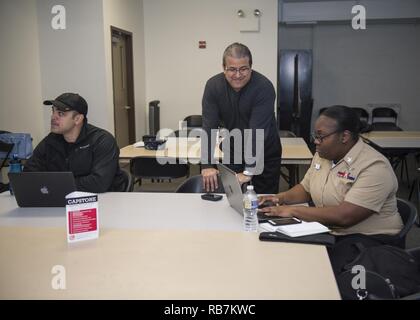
(194, 121)
(286, 134)
(150, 168)
(190, 133)
(5, 149)
(129, 181)
(181, 133)
(415, 252)
(408, 213)
(384, 114)
(362, 113)
(194, 184)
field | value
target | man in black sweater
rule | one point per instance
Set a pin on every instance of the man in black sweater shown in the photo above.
(74, 145)
(242, 100)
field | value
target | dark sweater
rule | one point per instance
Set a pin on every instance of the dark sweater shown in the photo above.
(250, 108)
(93, 159)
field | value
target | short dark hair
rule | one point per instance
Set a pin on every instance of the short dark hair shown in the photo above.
(346, 118)
(237, 50)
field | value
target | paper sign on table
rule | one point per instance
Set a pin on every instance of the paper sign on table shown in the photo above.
(82, 216)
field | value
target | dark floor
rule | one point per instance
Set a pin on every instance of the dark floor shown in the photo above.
(413, 238)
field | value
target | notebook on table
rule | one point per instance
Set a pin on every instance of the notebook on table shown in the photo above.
(320, 239)
(297, 230)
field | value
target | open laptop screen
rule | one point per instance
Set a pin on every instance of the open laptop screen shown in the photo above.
(41, 189)
(234, 192)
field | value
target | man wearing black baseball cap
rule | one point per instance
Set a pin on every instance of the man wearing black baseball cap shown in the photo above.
(89, 152)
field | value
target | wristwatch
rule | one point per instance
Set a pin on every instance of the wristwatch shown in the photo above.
(247, 173)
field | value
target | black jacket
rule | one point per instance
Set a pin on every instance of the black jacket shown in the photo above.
(93, 159)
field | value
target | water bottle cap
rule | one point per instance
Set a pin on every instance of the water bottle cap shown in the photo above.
(250, 187)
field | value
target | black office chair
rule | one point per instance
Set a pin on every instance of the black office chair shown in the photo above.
(415, 252)
(194, 184)
(189, 132)
(150, 168)
(362, 113)
(194, 121)
(364, 119)
(129, 181)
(385, 119)
(182, 133)
(408, 213)
(286, 134)
(5, 148)
(414, 186)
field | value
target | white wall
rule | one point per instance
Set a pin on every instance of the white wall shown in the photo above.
(304, 11)
(73, 60)
(127, 15)
(20, 78)
(39, 63)
(378, 65)
(177, 70)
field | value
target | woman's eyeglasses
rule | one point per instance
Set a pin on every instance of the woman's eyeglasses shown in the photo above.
(321, 137)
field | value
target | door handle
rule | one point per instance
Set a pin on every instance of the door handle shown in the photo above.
(127, 107)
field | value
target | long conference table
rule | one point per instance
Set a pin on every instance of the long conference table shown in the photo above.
(155, 246)
(394, 140)
(395, 145)
(294, 150)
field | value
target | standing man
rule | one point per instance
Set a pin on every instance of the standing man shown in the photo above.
(74, 145)
(242, 99)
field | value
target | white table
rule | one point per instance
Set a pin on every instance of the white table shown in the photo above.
(395, 145)
(409, 140)
(136, 210)
(155, 246)
(294, 151)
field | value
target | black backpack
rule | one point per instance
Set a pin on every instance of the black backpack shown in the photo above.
(387, 272)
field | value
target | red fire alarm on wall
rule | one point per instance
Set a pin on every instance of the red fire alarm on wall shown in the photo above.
(202, 44)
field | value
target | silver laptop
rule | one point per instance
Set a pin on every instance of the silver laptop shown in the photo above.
(232, 188)
(41, 189)
(234, 192)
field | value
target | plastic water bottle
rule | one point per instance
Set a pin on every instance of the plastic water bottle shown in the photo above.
(15, 165)
(250, 210)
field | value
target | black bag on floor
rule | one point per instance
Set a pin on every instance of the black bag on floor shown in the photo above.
(380, 272)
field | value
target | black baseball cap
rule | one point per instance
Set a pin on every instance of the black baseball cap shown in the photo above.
(69, 101)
